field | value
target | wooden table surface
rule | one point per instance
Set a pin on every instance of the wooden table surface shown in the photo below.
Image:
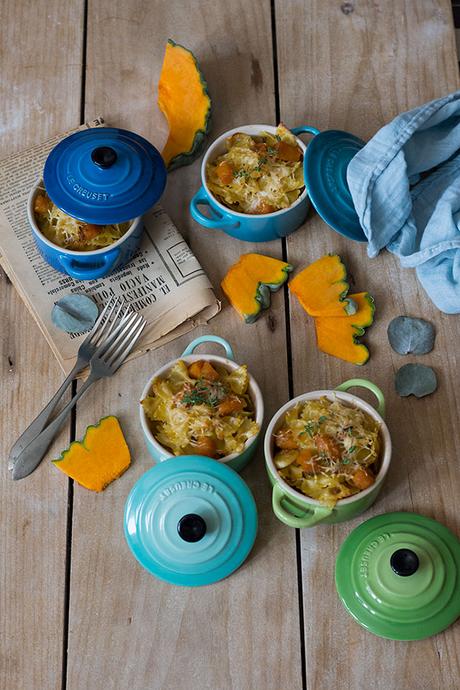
(76, 610)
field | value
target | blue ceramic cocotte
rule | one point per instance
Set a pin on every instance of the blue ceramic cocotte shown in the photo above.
(244, 226)
(325, 163)
(99, 176)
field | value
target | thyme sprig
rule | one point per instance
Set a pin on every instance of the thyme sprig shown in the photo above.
(204, 394)
(312, 428)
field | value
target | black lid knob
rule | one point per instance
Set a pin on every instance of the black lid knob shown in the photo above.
(191, 527)
(404, 562)
(104, 156)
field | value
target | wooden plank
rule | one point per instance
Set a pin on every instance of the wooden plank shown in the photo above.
(40, 92)
(354, 67)
(126, 628)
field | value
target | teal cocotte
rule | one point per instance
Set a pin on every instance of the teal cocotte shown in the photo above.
(237, 460)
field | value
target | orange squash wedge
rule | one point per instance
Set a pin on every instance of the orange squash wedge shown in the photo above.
(249, 282)
(339, 336)
(184, 100)
(99, 458)
(322, 288)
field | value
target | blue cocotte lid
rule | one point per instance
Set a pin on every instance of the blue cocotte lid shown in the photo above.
(190, 520)
(325, 169)
(104, 175)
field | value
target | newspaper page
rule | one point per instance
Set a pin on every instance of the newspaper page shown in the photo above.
(163, 281)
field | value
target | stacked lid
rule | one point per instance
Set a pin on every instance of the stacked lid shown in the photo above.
(325, 170)
(398, 575)
(190, 520)
(104, 175)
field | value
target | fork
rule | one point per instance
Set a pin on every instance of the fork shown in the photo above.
(104, 363)
(113, 310)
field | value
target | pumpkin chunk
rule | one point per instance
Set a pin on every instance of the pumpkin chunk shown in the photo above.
(338, 336)
(363, 478)
(225, 172)
(321, 288)
(184, 100)
(248, 283)
(99, 458)
(41, 204)
(287, 152)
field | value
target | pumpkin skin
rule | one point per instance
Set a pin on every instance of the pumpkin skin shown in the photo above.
(338, 336)
(184, 100)
(99, 458)
(249, 282)
(321, 288)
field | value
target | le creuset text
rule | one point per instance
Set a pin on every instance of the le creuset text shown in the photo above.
(186, 484)
(364, 563)
(87, 193)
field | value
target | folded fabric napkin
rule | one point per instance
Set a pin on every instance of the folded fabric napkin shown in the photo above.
(405, 185)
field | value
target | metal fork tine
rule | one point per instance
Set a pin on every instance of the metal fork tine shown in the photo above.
(130, 324)
(103, 326)
(118, 346)
(119, 315)
(114, 326)
(128, 346)
(107, 346)
(108, 320)
(98, 322)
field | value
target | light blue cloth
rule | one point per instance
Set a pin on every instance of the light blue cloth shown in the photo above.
(412, 212)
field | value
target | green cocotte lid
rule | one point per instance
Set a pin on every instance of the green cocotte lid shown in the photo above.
(398, 575)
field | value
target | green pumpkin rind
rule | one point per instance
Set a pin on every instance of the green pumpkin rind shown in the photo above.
(263, 296)
(368, 297)
(196, 150)
(82, 442)
(350, 307)
(360, 330)
(101, 457)
(330, 330)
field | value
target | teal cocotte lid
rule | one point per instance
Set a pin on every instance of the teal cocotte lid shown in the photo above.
(325, 170)
(190, 520)
(398, 575)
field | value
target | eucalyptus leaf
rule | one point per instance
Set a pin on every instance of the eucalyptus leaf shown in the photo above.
(411, 336)
(415, 379)
(75, 313)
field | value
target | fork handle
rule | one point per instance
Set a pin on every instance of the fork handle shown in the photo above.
(40, 422)
(32, 455)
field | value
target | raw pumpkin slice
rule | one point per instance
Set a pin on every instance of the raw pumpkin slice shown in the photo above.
(184, 100)
(338, 336)
(248, 283)
(99, 458)
(322, 288)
